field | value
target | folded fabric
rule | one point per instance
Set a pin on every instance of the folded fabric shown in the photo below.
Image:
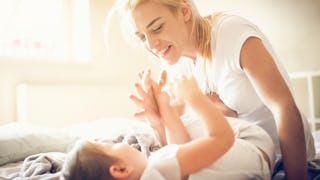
(43, 165)
(146, 143)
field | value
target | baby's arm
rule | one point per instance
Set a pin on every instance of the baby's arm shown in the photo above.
(175, 131)
(148, 104)
(156, 107)
(200, 153)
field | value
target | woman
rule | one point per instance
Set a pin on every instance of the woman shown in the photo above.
(230, 57)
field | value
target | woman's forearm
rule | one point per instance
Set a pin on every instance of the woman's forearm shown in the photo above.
(292, 142)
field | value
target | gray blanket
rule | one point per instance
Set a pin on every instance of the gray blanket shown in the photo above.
(143, 142)
(43, 166)
(48, 166)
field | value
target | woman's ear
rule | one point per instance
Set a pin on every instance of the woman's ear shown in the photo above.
(186, 11)
(120, 171)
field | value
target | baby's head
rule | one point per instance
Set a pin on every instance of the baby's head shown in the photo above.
(90, 160)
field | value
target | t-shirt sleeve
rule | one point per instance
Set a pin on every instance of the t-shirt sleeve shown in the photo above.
(165, 163)
(232, 33)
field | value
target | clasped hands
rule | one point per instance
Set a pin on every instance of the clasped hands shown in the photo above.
(152, 96)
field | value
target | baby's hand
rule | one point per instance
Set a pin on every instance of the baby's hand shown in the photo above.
(145, 98)
(187, 89)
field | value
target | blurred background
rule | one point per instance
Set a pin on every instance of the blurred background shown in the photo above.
(57, 67)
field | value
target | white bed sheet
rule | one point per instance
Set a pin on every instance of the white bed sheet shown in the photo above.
(106, 128)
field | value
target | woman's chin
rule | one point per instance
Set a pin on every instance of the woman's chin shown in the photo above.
(171, 61)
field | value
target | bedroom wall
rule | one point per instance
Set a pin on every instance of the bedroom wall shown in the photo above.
(117, 71)
(293, 27)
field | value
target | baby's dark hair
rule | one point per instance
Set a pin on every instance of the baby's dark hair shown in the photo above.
(86, 162)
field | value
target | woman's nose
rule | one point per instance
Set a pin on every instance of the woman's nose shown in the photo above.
(152, 44)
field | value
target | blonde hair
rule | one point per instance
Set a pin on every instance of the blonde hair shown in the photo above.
(201, 28)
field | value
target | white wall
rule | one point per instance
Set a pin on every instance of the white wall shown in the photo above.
(117, 70)
(293, 27)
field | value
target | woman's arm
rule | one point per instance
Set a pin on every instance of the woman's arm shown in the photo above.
(200, 153)
(221, 106)
(262, 71)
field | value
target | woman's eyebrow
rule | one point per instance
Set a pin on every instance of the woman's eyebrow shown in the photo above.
(150, 24)
(153, 21)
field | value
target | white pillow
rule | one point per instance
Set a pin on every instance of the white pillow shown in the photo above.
(17, 141)
(109, 128)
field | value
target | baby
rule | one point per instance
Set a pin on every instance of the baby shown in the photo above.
(228, 149)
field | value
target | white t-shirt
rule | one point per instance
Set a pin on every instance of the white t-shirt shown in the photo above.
(225, 76)
(163, 164)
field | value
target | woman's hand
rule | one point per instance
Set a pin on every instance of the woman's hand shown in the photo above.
(150, 99)
(221, 106)
(150, 96)
(146, 99)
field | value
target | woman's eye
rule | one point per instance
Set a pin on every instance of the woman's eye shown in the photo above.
(157, 29)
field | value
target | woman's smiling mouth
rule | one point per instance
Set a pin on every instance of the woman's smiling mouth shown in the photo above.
(164, 52)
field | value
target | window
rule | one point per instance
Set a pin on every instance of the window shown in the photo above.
(45, 30)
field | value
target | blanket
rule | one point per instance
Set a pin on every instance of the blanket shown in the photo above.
(42, 166)
(48, 166)
(313, 169)
(143, 142)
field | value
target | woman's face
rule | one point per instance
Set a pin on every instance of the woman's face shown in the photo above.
(163, 33)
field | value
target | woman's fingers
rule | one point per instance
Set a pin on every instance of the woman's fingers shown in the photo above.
(137, 101)
(140, 114)
(140, 74)
(145, 96)
(140, 90)
(163, 79)
(146, 80)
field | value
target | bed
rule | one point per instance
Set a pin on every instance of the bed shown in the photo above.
(29, 149)
(37, 152)
(52, 116)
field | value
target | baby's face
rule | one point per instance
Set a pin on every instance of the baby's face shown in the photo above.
(125, 153)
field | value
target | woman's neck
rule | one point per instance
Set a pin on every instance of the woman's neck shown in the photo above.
(191, 50)
(190, 47)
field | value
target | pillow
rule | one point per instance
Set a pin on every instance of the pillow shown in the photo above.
(17, 141)
(110, 127)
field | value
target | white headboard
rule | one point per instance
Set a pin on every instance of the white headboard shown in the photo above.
(58, 105)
